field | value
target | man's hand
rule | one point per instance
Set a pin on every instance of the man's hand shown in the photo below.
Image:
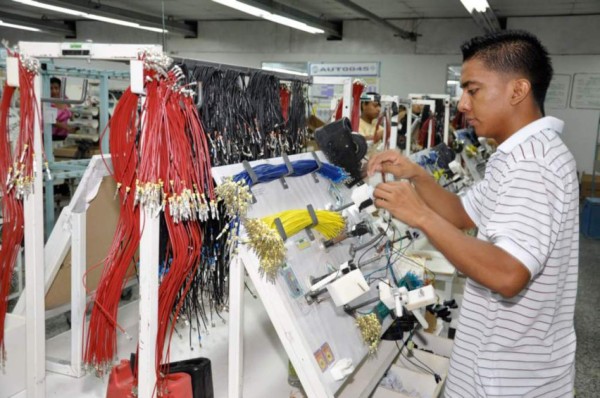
(393, 162)
(402, 201)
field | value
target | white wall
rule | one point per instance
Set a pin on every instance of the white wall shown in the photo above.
(403, 70)
(405, 66)
(581, 125)
(575, 47)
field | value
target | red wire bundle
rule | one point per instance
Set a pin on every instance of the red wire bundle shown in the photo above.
(357, 88)
(165, 168)
(16, 172)
(424, 133)
(12, 213)
(285, 95)
(178, 155)
(101, 342)
(338, 109)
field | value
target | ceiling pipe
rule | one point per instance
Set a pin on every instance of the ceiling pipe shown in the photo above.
(404, 34)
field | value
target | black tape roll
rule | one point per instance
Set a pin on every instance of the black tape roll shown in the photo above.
(342, 147)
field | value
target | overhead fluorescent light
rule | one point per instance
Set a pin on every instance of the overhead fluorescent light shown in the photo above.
(475, 5)
(260, 13)
(86, 15)
(282, 70)
(12, 25)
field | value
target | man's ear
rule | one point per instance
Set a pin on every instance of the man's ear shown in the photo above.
(521, 89)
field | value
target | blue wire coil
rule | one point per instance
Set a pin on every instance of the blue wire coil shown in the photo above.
(267, 172)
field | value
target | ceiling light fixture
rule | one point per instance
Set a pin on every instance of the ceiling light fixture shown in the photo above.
(90, 16)
(475, 5)
(260, 13)
(15, 26)
(283, 70)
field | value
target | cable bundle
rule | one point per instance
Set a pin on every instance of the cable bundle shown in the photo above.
(17, 173)
(358, 87)
(208, 293)
(330, 223)
(266, 172)
(297, 126)
(161, 161)
(269, 246)
(174, 176)
(248, 121)
(227, 116)
(100, 345)
(285, 95)
(12, 214)
(339, 109)
(263, 95)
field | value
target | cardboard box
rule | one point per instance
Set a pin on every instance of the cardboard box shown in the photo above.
(585, 189)
(73, 152)
(102, 217)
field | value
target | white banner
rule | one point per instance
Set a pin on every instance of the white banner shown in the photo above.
(344, 69)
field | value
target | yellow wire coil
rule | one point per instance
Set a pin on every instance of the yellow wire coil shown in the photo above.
(330, 223)
(265, 241)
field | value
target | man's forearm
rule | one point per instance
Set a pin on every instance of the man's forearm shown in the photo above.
(481, 261)
(443, 202)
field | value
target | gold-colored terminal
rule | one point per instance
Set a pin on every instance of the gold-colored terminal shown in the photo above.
(370, 330)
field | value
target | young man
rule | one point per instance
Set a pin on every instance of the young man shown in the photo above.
(515, 335)
(370, 107)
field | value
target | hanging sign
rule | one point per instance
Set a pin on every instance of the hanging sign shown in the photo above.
(344, 69)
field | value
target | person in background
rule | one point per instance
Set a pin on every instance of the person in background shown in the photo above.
(516, 334)
(61, 128)
(370, 108)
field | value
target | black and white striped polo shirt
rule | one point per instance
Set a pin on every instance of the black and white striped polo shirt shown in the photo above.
(528, 205)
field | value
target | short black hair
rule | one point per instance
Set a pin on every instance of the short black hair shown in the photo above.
(514, 51)
(56, 80)
(370, 94)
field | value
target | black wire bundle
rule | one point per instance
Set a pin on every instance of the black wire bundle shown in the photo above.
(209, 292)
(297, 128)
(242, 115)
(242, 118)
(227, 116)
(263, 94)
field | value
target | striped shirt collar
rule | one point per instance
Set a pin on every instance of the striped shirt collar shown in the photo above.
(532, 128)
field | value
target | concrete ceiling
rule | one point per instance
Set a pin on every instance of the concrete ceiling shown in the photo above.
(330, 10)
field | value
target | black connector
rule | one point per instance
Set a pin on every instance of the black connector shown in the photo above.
(365, 204)
(360, 229)
(451, 304)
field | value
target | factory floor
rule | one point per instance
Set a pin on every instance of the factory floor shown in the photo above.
(587, 319)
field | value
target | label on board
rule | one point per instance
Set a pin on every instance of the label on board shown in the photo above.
(291, 281)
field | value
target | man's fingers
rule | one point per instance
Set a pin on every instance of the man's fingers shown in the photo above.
(382, 204)
(376, 161)
(381, 193)
(396, 170)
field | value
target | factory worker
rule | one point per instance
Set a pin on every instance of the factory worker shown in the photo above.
(515, 335)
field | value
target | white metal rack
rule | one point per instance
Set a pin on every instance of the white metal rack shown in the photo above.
(427, 99)
(34, 245)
